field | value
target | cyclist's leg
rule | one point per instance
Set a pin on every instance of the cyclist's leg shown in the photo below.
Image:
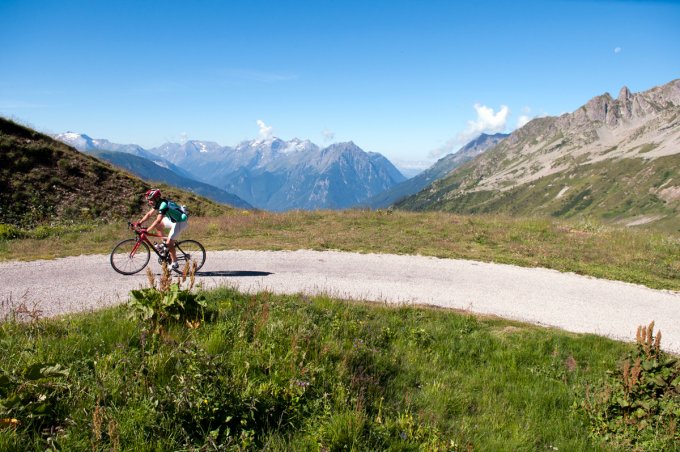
(167, 224)
(174, 233)
(159, 229)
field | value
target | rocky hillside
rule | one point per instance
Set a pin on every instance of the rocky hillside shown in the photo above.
(43, 180)
(615, 159)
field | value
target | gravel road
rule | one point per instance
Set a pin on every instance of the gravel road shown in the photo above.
(539, 296)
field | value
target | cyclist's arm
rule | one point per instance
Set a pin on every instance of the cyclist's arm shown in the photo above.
(146, 216)
(156, 222)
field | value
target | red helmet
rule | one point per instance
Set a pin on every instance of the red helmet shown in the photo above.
(153, 195)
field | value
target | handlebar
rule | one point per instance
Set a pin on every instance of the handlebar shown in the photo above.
(139, 230)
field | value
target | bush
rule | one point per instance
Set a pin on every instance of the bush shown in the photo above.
(9, 232)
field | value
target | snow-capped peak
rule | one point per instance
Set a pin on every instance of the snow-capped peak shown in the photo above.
(278, 146)
(71, 136)
(79, 141)
(298, 145)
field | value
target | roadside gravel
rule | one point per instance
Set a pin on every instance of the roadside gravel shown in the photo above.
(545, 297)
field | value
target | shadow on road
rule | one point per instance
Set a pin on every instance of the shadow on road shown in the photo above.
(234, 273)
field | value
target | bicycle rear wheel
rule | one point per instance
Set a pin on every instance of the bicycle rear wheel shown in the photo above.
(189, 251)
(130, 256)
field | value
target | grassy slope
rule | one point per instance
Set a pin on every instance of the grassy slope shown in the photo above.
(318, 374)
(45, 181)
(610, 191)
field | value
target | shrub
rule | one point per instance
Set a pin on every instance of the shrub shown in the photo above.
(9, 232)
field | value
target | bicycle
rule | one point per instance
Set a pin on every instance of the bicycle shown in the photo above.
(132, 255)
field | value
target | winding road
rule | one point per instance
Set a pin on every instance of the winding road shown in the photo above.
(545, 297)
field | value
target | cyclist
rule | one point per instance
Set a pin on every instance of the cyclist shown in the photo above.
(169, 215)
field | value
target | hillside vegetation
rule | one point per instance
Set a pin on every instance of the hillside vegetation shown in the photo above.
(627, 191)
(44, 181)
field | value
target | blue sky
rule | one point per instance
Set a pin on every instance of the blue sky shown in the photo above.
(410, 79)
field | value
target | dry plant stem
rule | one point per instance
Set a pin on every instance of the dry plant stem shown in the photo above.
(165, 280)
(114, 434)
(97, 420)
(151, 278)
(649, 343)
(192, 275)
(185, 270)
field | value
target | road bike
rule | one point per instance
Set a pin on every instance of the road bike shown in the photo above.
(132, 255)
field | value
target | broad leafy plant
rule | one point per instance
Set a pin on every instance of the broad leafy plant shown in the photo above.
(167, 301)
(640, 404)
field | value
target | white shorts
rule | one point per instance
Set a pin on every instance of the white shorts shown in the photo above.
(175, 228)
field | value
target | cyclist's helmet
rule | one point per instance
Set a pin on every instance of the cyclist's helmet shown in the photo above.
(153, 195)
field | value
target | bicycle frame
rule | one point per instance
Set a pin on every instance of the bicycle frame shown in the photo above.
(143, 236)
(130, 256)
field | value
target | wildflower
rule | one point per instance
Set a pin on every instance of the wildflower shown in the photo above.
(301, 383)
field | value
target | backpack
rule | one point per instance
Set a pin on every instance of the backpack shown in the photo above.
(180, 212)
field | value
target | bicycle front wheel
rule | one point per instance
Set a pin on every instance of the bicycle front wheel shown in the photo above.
(130, 256)
(189, 251)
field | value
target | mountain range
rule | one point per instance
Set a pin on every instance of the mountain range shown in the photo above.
(270, 174)
(87, 144)
(615, 159)
(281, 175)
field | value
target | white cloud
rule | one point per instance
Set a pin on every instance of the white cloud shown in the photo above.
(328, 135)
(523, 120)
(618, 50)
(488, 121)
(183, 137)
(265, 130)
